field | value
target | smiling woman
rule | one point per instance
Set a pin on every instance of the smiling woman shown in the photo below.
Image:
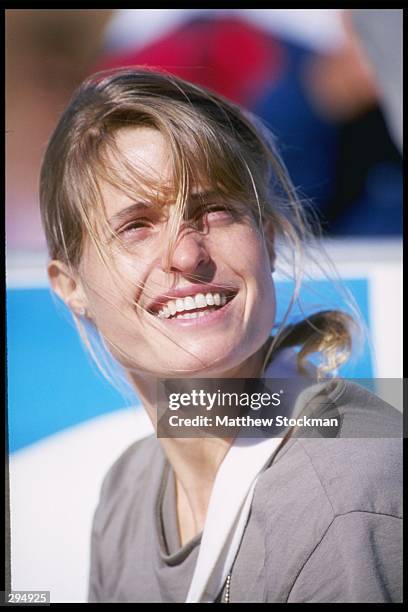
(123, 297)
(166, 210)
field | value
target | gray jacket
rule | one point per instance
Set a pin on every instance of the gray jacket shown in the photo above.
(325, 523)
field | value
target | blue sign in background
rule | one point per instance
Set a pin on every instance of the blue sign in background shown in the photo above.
(52, 383)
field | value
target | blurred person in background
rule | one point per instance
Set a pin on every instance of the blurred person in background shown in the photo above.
(48, 53)
(317, 96)
(360, 88)
(379, 32)
(300, 70)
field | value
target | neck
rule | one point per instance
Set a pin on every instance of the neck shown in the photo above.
(195, 461)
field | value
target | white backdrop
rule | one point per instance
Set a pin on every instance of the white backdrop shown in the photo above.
(54, 488)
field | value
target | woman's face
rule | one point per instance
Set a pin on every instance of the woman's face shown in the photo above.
(165, 321)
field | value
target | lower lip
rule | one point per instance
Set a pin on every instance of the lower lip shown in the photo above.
(208, 319)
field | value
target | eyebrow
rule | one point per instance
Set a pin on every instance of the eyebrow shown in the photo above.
(127, 212)
(137, 207)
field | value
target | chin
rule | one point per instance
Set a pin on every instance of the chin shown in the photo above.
(209, 364)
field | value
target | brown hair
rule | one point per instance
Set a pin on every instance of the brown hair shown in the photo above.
(210, 139)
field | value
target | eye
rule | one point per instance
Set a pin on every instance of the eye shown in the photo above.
(216, 211)
(135, 225)
(136, 230)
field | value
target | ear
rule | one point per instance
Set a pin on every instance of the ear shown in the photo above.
(269, 231)
(68, 287)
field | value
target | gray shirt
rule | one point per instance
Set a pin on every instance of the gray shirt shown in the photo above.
(325, 522)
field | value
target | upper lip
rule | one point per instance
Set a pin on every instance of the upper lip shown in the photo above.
(182, 292)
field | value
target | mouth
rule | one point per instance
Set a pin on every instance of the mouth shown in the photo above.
(198, 307)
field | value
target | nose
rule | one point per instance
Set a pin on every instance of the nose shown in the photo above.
(190, 254)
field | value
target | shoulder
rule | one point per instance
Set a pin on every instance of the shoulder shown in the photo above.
(363, 413)
(356, 474)
(132, 465)
(358, 470)
(127, 480)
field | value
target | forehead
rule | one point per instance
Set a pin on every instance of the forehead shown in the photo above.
(145, 151)
(143, 158)
(145, 148)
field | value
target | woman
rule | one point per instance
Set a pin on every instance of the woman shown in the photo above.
(166, 209)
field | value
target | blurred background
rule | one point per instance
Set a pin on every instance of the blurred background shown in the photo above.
(328, 83)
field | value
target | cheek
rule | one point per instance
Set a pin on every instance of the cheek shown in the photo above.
(251, 258)
(261, 287)
(251, 261)
(112, 292)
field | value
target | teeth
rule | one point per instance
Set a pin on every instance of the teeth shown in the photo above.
(172, 308)
(209, 298)
(189, 303)
(180, 305)
(194, 315)
(200, 300)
